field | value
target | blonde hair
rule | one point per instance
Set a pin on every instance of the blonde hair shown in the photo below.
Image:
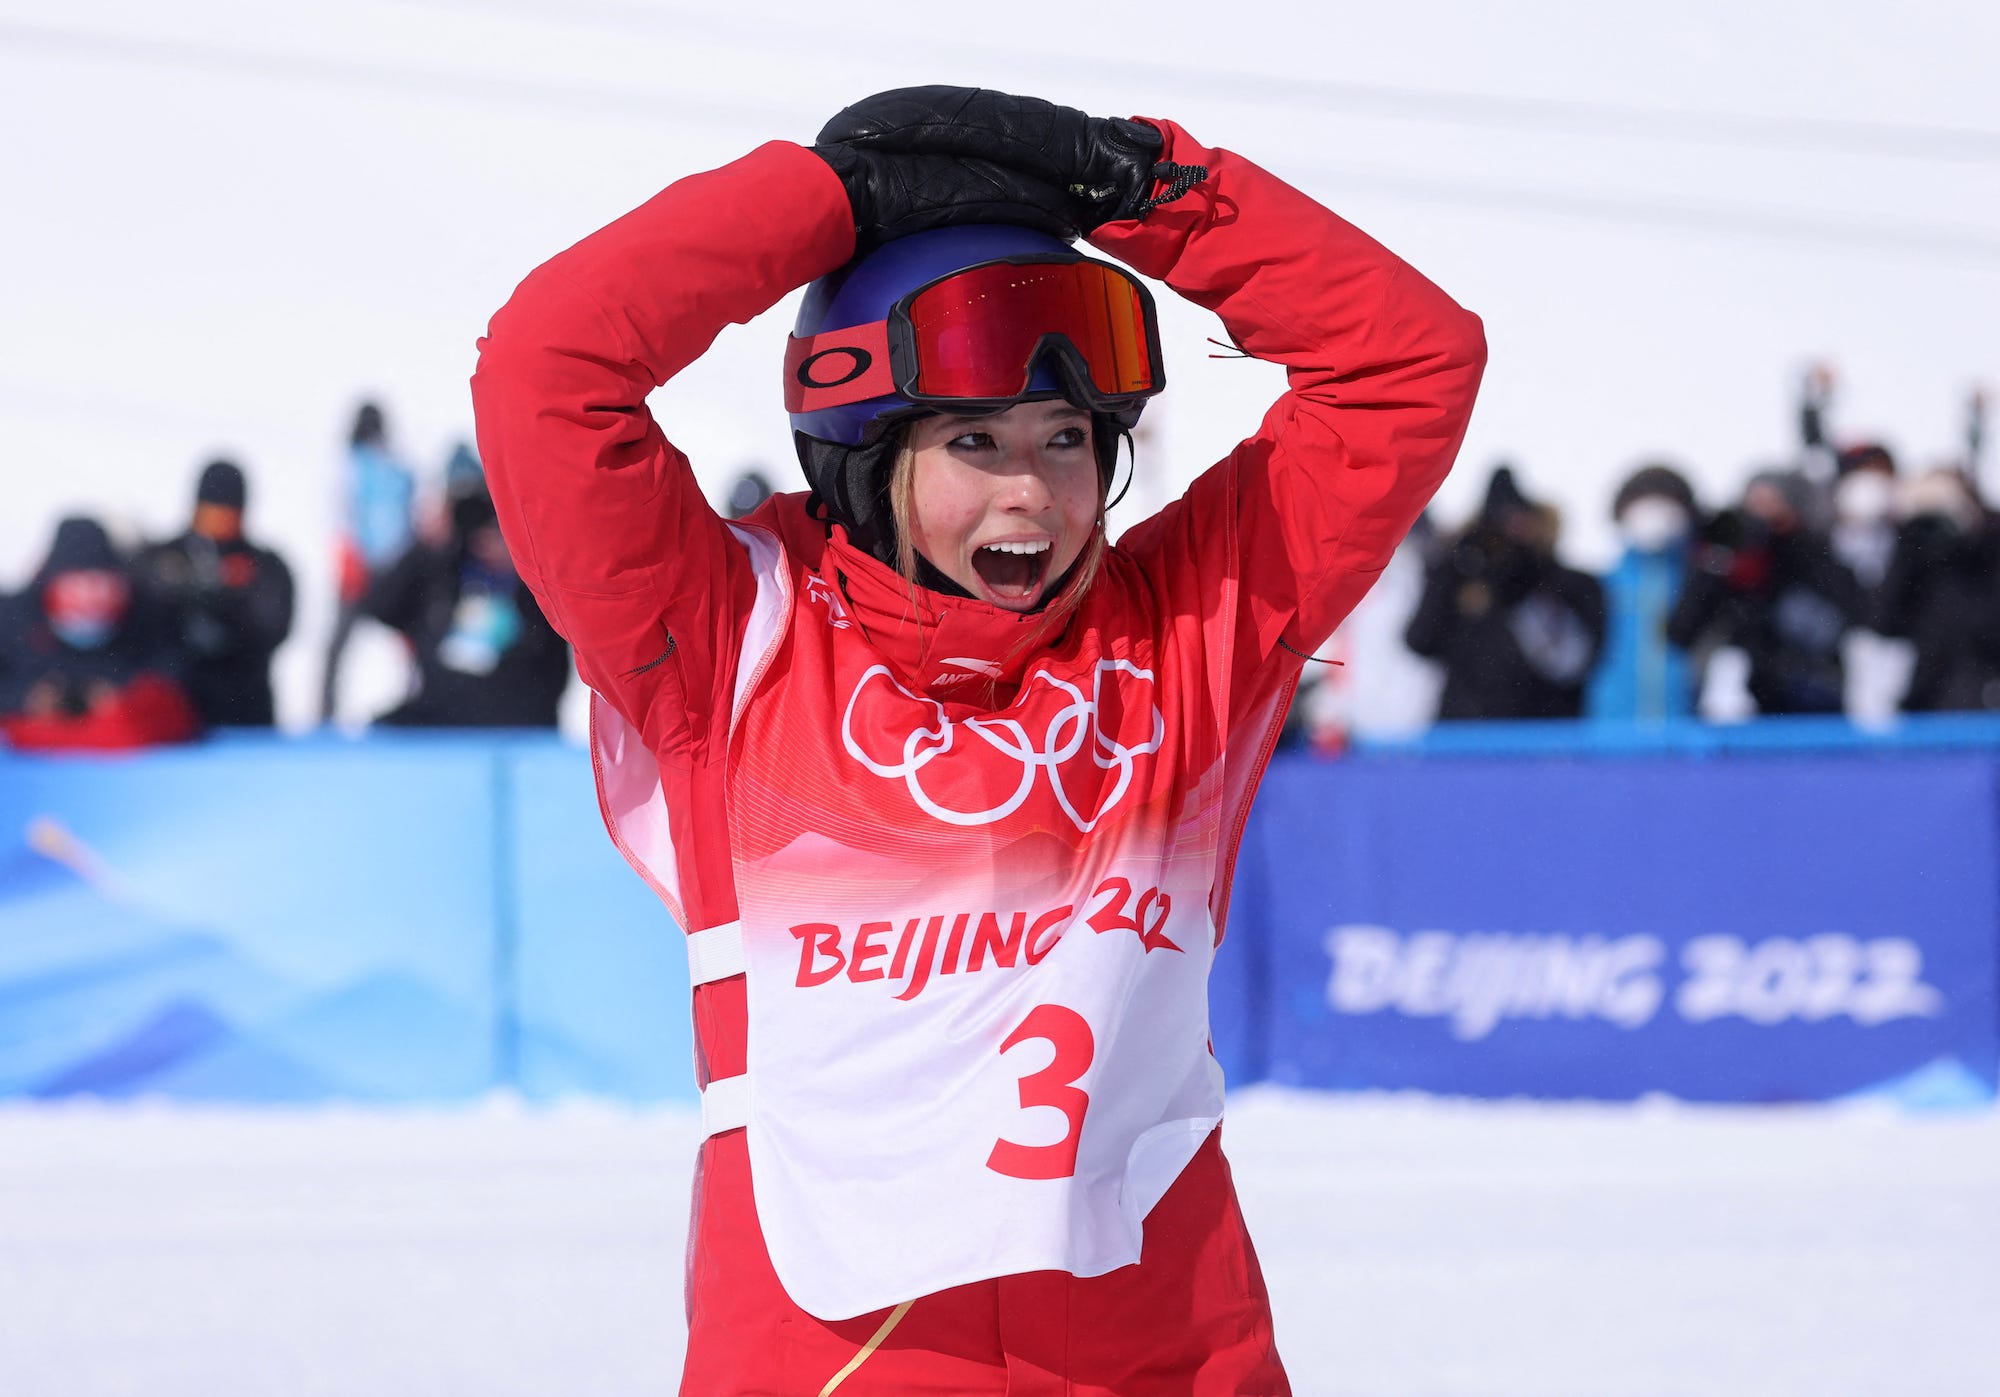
(1056, 612)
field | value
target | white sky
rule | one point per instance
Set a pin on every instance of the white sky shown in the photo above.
(222, 222)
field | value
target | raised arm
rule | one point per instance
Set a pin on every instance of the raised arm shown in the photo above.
(601, 512)
(1382, 368)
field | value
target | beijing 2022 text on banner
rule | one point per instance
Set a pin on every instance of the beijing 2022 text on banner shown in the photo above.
(424, 918)
(1752, 928)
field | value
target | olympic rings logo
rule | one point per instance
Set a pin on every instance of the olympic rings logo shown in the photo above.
(1064, 737)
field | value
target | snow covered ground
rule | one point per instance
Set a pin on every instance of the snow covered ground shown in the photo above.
(1416, 1248)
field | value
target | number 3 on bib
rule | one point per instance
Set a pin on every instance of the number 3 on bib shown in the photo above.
(1055, 1085)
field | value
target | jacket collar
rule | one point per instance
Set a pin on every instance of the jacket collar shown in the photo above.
(946, 648)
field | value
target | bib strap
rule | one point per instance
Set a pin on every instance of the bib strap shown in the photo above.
(725, 1104)
(715, 953)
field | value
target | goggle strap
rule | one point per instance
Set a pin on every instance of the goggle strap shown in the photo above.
(838, 367)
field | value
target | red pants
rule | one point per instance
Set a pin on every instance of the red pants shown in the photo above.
(1191, 1319)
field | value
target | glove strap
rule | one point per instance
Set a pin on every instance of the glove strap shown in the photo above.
(1179, 179)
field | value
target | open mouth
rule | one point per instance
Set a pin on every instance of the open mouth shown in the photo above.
(1013, 572)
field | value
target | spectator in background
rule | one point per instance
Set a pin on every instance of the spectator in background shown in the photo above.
(1817, 458)
(1864, 512)
(1863, 537)
(379, 500)
(747, 493)
(485, 656)
(463, 475)
(228, 601)
(1517, 631)
(1370, 685)
(463, 478)
(1975, 434)
(1942, 591)
(85, 661)
(1644, 677)
(1763, 581)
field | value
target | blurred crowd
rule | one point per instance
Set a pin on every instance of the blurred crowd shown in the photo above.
(1839, 581)
(111, 646)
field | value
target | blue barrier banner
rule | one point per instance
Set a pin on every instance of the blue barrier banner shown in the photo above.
(253, 921)
(428, 917)
(399, 918)
(599, 969)
(1749, 928)
(1238, 982)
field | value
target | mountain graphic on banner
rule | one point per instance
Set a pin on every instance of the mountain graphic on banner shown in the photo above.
(182, 990)
(101, 996)
(99, 993)
(389, 1036)
(181, 1032)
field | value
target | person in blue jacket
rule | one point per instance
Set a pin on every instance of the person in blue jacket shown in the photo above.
(1642, 676)
(378, 527)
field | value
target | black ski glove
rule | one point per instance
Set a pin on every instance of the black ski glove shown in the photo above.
(1105, 165)
(894, 193)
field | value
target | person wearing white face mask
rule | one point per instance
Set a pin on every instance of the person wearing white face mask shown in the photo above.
(1642, 677)
(1864, 512)
(1863, 537)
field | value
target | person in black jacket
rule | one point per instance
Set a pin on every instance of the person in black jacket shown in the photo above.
(1517, 631)
(228, 600)
(1942, 591)
(485, 655)
(1762, 579)
(84, 657)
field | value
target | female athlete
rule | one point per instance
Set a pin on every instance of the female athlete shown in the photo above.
(945, 787)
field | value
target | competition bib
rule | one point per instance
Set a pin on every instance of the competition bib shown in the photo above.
(976, 940)
(950, 1095)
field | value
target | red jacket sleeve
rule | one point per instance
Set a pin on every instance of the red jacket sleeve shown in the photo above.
(1382, 369)
(602, 513)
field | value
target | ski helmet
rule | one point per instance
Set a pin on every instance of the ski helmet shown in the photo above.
(847, 449)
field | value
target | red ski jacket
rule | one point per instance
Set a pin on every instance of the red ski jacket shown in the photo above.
(1215, 600)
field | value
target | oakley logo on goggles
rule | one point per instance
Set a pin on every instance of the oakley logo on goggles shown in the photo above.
(972, 339)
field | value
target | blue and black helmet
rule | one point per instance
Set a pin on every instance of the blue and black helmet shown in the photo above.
(847, 450)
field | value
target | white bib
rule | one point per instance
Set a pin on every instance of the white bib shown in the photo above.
(976, 942)
(971, 1092)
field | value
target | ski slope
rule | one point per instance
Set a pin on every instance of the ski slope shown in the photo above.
(1414, 1247)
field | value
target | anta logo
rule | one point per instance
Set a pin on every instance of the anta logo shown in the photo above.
(959, 669)
(966, 664)
(1088, 745)
(836, 610)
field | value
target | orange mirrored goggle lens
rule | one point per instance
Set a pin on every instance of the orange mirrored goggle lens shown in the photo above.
(976, 333)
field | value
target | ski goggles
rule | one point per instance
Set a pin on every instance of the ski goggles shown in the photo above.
(974, 338)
